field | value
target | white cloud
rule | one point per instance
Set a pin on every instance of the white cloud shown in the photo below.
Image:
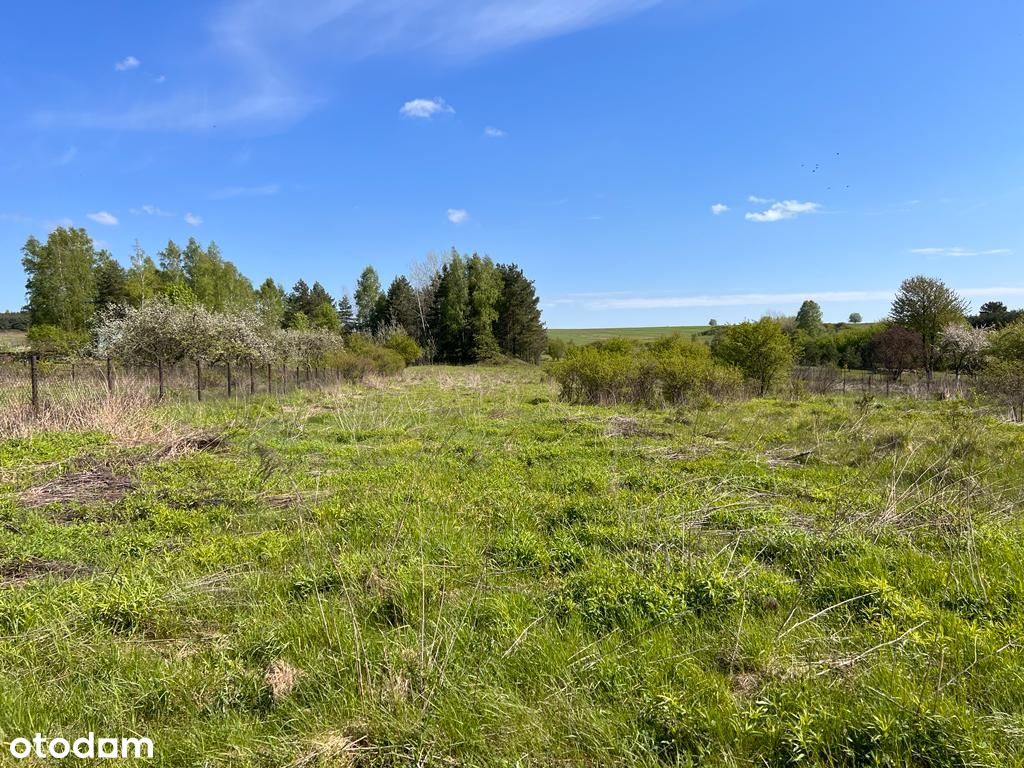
(272, 61)
(958, 251)
(719, 208)
(494, 133)
(150, 210)
(103, 217)
(160, 79)
(127, 63)
(261, 190)
(193, 219)
(458, 215)
(425, 108)
(760, 200)
(785, 209)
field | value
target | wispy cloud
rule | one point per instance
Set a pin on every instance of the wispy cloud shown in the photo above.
(271, 61)
(150, 210)
(66, 157)
(193, 219)
(760, 200)
(781, 210)
(458, 215)
(127, 63)
(260, 190)
(494, 133)
(719, 208)
(618, 301)
(425, 109)
(103, 217)
(958, 251)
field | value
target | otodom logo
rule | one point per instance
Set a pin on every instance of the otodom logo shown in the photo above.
(90, 746)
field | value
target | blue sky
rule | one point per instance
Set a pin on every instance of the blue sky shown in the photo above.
(645, 162)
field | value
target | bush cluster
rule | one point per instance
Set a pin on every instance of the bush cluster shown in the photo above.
(670, 371)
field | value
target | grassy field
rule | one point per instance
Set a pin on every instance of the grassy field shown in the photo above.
(12, 339)
(454, 568)
(588, 335)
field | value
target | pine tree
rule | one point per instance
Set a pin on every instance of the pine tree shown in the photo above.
(400, 306)
(61, 284)
(451, 311)
(297, 302)
(520, 331)
(345, 314)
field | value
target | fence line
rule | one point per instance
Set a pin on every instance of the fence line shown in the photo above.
(39, 376)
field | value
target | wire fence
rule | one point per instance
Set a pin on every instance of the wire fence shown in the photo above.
(31, 379)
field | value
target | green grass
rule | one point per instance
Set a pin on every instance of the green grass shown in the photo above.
(456, 569)
(587, 335)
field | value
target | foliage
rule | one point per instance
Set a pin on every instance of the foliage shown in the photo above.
(855, 317)
(401, 342)
(61, 285)
(808, 318)
(519, 329)
(670, 370)
(896, 350)
(556, 348)
(51, 340)
(962, 347)
(927, 305)
(368, 296)
(759, 349)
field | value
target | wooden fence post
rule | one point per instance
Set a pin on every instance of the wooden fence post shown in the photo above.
(34, 369)
(252, 380)
(270, 379)
(199, 380)
(228, 366)
(160, 379)
(110, 376)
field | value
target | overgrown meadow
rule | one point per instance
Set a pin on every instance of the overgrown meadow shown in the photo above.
(455, 568)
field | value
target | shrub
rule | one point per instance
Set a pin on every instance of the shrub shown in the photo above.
(556, 349)
(401, 342)
(760, 350)
(670, 370)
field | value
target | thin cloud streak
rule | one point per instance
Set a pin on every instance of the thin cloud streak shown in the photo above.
(758, 299)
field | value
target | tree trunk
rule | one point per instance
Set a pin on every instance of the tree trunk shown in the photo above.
(110, 376)
(199, 380)
(252, 380)
(160, 378)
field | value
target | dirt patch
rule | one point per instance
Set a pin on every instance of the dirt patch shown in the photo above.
(624, 426)
(88, 487)
(745, 684)
(14, 573)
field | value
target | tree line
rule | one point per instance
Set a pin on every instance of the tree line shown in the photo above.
(455, 309)
(928, 328)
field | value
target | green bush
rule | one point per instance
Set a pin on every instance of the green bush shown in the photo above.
(401, 342)
(670, 370)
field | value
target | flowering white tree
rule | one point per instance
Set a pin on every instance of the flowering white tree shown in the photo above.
(153, 334)
(963, 347)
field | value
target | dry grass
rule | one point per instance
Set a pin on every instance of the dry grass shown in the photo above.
(89, 487)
